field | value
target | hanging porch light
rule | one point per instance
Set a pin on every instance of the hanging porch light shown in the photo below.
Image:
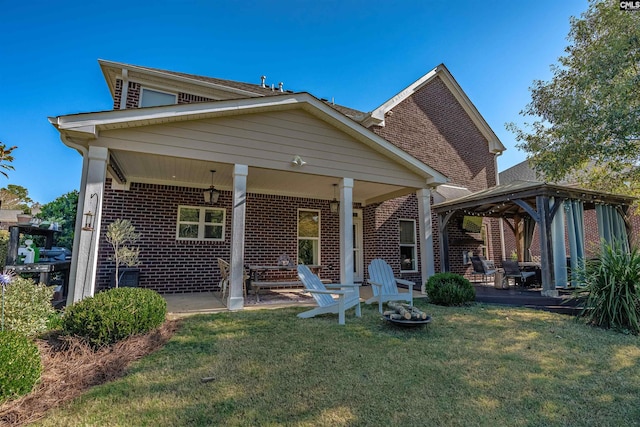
(211, 195)
(334, 204)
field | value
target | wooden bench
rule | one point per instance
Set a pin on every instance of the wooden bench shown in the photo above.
(271, 284)
(257, 285)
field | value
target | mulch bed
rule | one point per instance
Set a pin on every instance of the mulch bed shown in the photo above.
(70, 367)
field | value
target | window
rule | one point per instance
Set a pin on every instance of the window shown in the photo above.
(408, 250)
(153, 98)
(309, 237)
(197, 223)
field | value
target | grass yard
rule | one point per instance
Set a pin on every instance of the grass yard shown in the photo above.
(479, 365)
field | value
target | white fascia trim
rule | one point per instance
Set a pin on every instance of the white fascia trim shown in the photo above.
(168, 113)
(379, 113)
(376, 117)
(457, 187)
(91, 123)
(104, 64)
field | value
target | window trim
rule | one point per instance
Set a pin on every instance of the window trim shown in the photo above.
(414, 245)
(201, 224)
(143, 88)
(317, 211)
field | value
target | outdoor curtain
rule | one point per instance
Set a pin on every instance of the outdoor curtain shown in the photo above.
(575, 225)
(611, 227)
(529, 226)
(559, 247)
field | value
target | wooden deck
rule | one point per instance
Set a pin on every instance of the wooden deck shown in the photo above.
(525, 297)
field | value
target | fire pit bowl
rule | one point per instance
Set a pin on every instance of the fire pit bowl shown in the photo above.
(407, 323)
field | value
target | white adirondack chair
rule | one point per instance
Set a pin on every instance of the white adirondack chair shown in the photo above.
(384, 285)
(346, 298)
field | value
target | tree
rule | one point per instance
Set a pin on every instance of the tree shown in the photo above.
(15, 197)
(6, 157)
(587, 126)
(120, 234)
(63, 211)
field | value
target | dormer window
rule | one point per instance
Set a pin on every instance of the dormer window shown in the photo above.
(154, 98)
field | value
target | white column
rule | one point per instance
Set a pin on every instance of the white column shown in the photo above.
(124, 93)
(427, 264)
(236, 297)
(85, 256)
(346, 231)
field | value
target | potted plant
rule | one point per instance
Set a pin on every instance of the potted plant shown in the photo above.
(121, 234)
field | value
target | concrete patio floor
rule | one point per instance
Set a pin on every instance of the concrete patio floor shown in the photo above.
(179, 305)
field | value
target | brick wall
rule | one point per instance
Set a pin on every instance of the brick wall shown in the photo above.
(384, 233)
(433, 127)
(169, 265)
(133, 96)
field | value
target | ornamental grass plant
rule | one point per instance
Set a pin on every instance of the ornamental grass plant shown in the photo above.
(611, 289)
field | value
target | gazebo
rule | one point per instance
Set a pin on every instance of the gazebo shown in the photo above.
(527, 203)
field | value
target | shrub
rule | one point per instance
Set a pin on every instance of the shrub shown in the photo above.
(113, 315)
(27, 306)
(611, 292)
(20, 365)
(450, 289)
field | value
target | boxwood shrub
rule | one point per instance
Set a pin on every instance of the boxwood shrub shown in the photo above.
(20, 365)
(450, 289)
(27, 306)
(114, 315)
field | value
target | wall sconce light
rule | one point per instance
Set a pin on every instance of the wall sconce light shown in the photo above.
(89, 216)
(334, 204)
(211, 195)
(297, 161)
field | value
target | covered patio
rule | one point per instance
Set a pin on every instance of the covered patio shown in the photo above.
(273, 157)
(558, 212)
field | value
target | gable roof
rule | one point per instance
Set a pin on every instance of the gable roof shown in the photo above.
(376, 117)
(117, 70)
(519, 172)
(113, 71)
(86, 126)
(499, 201)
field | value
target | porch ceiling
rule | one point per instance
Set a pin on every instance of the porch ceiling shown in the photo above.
(166, 170)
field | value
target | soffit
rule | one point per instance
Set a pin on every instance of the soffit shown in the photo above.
(182, 172)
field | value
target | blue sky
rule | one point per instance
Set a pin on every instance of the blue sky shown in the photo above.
(360, 53)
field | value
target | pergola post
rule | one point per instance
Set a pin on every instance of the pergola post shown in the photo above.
(443, 239)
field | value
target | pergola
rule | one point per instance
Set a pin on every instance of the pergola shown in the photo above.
(528, 203)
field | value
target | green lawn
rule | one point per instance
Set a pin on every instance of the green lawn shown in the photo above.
(480, 365)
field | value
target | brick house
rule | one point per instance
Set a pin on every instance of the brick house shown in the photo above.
(280, 159)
